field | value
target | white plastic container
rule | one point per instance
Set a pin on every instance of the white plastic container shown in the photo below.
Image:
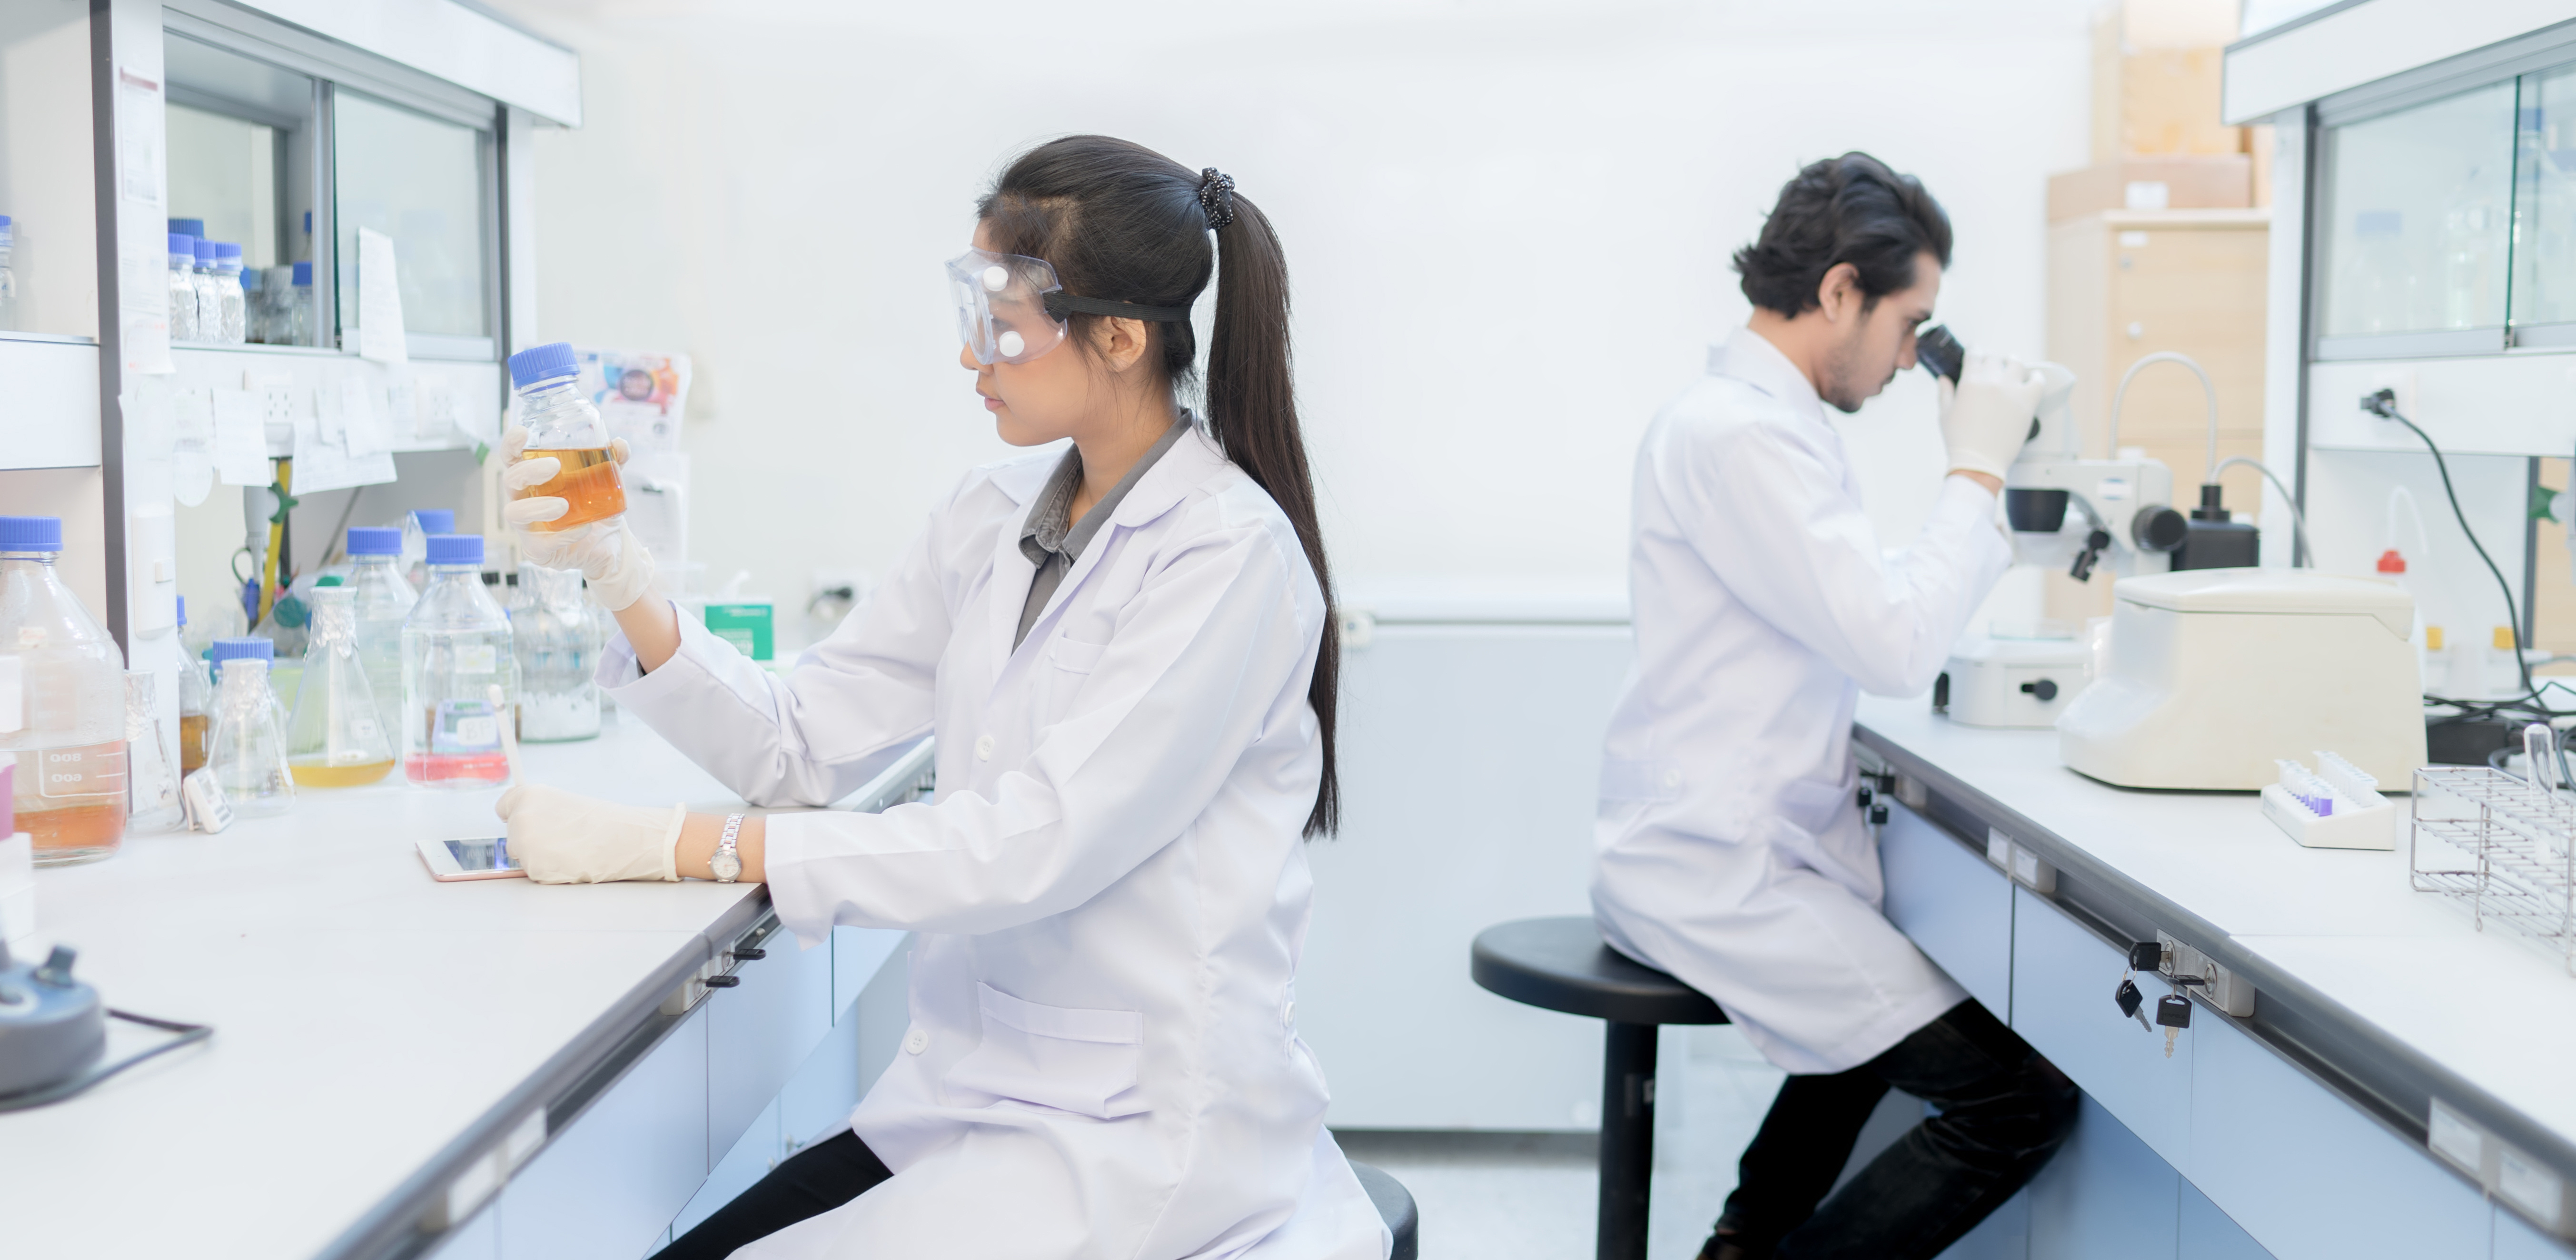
(2353, 815)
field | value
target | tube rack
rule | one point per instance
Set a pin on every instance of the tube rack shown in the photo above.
(2501, 845)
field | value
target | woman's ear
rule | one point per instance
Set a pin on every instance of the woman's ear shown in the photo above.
(1119, 342)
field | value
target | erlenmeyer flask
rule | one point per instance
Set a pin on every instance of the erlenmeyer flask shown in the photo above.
(335, 738)
(147, 763)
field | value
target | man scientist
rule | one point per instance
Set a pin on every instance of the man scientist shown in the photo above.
(1731, 851)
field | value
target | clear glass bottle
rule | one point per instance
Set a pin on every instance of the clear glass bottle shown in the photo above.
(210, 304)
(558, 648)
(232, 307)
(563, 425)
(69, 787)
(153, 803)
(299, 307)
(254, 306)
(417, 526)
(381, 599)
(247, 747)
(183, 287)
(456, 648)
(196, 699)
(8, 275)
(337, 737)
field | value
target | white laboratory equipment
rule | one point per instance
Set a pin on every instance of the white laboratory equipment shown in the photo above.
(2217, 674)
(2008, 683)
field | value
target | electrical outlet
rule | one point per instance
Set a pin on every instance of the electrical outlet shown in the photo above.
(276, 396)
(2401, 382)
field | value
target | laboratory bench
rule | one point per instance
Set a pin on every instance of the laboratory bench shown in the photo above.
(2366, 1072)
(402, 1067)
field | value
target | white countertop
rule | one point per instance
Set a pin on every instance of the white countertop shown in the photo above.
(2492, 1007)
(365, 1015)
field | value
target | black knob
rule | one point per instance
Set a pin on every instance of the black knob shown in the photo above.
(748, 954)
(2044, 689)
(723, 982)
(2156, 527)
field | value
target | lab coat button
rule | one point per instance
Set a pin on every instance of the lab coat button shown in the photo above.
(984, 748)
(1672, 778)
(1288, 1014)
(917, 1042)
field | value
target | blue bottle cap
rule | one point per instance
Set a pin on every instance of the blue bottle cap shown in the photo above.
(31, 533)
(543, 363)
(244, 649)
(304, 274)
(249, 278)
(456, 549)
(371, 540)
(187, 227)
(435, 520)
(226, 249)
(205, 252)
(183, 610)
(182, 245)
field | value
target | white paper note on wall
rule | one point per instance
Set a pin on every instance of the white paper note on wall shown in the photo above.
(323, 465)
(241, 439)
(362, 423)
(380, 319)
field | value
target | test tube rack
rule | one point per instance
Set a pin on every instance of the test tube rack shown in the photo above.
(2501, 845)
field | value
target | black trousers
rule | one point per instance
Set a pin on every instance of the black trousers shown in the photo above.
(2003, 1111)
(809, 1183)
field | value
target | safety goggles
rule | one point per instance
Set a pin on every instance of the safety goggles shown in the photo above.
(1010, 308)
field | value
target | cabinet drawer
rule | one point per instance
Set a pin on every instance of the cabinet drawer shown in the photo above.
(760, 1031)
(2307, 1174)
(1953, 903)
(607, 1186)
(2104, 1195)
(2062, 978)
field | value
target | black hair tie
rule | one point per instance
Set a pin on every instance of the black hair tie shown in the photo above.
(1216, 197)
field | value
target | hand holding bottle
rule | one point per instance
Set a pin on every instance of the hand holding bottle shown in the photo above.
(620, 571)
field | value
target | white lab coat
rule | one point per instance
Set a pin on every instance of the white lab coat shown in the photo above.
(1730, 849)
(1110, 891)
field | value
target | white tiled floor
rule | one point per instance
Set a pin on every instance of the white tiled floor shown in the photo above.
(1507, 1196)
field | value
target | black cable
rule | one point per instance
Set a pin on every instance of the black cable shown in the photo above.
(2384, 403)
(189, 1034)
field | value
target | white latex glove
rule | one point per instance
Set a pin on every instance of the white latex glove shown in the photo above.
(1985, 418)
(620, 571)
(559, 837)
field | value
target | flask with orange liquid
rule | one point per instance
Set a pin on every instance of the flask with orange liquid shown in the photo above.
(563, 426)
(62, 702)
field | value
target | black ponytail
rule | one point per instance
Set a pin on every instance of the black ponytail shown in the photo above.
(1126, 224)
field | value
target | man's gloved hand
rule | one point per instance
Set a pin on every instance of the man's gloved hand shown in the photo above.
(619, 569)
(559, 837)
(1986, 418)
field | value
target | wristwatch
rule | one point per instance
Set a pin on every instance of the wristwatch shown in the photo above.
(726, 863)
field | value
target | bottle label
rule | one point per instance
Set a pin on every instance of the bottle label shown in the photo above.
(465, 726)
(477, 658)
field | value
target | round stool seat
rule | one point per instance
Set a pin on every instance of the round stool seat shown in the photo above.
(1394, 1206)
(1562, 965)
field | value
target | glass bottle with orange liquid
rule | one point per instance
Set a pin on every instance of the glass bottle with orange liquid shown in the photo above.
(563, 426)
(336, 738)
(196, 700)
(67, 730)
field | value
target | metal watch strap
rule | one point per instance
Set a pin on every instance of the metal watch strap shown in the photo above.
(725, 855)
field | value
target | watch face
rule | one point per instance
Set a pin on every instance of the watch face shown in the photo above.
(727, 867)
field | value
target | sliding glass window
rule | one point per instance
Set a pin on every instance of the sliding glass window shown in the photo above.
(421, 181)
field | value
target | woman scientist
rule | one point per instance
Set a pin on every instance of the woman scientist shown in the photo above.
(1124, 655)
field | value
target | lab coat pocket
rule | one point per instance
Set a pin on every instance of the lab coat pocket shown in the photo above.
(1080, 1061)
(1075, 656)
(1809, 805)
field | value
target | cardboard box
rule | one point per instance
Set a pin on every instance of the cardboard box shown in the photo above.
(2157, 74)
(2222, 182)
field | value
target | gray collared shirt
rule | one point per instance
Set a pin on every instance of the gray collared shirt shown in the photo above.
(1053, 541)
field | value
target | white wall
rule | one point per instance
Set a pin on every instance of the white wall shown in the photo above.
(1508, 225)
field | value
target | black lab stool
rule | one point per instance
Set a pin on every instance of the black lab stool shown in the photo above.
(1561, 965)
(1395, 1206)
